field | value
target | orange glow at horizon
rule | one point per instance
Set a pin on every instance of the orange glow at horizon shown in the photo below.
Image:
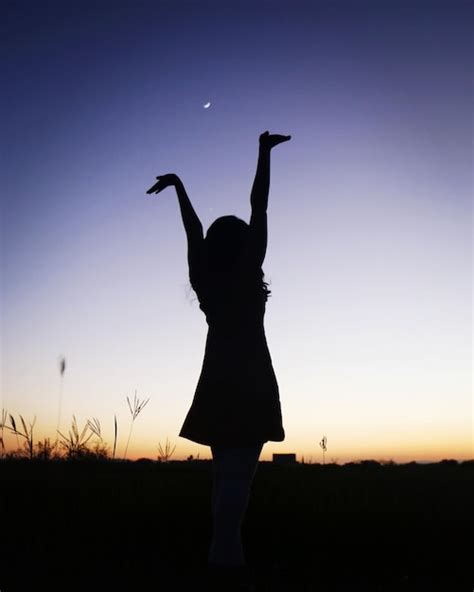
(399, 448)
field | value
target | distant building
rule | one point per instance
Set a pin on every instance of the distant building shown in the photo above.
(284, 459)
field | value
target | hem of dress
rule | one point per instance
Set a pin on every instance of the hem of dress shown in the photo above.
(196, 440)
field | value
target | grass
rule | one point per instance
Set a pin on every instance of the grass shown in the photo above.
(135, 410)
(360, 526)
(166, 452)
(76, 443)
(25, 432)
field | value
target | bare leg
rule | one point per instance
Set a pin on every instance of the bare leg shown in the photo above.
(233, 473)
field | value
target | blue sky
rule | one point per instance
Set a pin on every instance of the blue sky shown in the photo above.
(369, 254)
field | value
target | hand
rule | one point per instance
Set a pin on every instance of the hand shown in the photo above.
(271, 140)
(164, 181)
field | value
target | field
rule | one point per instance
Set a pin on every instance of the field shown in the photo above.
(108, 525)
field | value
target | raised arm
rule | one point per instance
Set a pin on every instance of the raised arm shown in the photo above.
(259, 196)
(192, 224)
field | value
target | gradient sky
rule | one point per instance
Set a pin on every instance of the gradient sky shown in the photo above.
(369, 253)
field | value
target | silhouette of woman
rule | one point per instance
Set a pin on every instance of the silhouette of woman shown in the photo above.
(236, 405)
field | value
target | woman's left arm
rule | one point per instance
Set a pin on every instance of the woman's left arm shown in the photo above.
(259, 196)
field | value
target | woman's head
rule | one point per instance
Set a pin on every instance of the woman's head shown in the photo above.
(224, 241)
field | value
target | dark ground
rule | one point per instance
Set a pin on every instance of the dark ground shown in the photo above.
(146, 526)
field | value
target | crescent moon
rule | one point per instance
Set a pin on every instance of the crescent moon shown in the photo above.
(207, 105)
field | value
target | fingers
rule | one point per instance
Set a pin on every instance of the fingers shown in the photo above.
(155, 189)
(276, 139)
(159, 186)
(272, 140)
(267, 133)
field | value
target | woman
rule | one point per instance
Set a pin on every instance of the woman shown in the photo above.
(236, 405)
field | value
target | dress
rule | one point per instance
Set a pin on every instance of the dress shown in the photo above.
(236, 401)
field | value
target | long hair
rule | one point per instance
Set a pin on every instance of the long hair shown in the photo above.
(223, 244)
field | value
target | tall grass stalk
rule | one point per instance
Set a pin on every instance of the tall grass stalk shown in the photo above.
(2, 427)
(62, 368)
(324, 447)
(166, 453)
(94, 426)
(134, 411)
(115, 436)
(75, 443)
(13, 429)
(27, 433)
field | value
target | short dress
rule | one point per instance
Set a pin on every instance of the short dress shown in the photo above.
(236, 401)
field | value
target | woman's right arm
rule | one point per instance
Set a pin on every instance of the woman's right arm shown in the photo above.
(191, 222)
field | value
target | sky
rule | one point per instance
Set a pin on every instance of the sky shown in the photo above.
(369, 256)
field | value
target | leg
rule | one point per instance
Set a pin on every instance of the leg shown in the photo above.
(233, 473)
